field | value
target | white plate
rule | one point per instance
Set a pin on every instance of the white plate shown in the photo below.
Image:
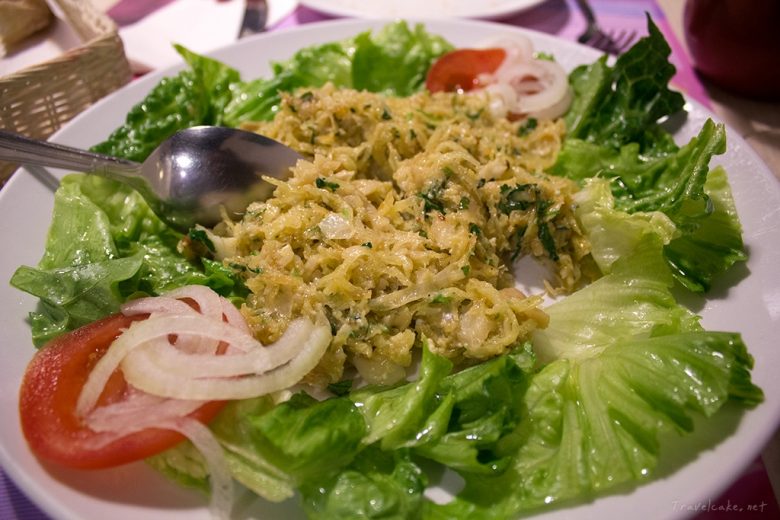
(693, 469)
(430, 9)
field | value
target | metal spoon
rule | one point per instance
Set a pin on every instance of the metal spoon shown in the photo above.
(186, 179)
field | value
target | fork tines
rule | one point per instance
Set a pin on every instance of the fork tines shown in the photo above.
(612, 42)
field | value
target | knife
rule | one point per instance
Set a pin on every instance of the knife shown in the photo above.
(255, 18)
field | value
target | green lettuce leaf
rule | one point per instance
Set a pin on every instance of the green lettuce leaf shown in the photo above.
(395, 61)
(74, 296)
(105, 246)
(80, 277)
(196, 96)
(381, 485)
(407, 415)
(258, 100)
(486, 409)
(593, 424)
(632, 301)
(308, 439)
(622, 104)
(612, 233)
(672, 183)
(614, 133)
(185, 465)
(691, 207)
(624, 363)
(714, 244)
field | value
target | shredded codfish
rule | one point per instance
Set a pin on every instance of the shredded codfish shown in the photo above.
(401, 223)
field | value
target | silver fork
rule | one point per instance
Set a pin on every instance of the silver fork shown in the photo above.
(610, 42)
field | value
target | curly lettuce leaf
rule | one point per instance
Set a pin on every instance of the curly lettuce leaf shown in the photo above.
(195, 96)
(399, 417)
(614, 133)
(308, 439)
(258, 99)
(486, 409)
(185, 465)
(622, 368)
(632, 301)
(79, 278)
(104, 246)
(622, 104)
(691, 207)
(378, 484)
(714, 244)
(395, 61)
(74, 296)
(612, 233)
(593, 424)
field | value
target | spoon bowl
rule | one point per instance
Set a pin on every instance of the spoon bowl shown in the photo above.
(187, 180)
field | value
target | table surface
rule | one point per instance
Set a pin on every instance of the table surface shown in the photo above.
(757, 122)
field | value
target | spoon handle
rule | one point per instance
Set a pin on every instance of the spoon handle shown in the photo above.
(17, 148)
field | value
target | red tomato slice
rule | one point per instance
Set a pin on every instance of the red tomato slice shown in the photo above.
(50, 390)
(459, 69)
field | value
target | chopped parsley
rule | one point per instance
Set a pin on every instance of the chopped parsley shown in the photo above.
(474, 115)
(518, 198)
(527, 127)
(546, 56)
(546, 238)
(519, 246)
(199, 235)
(323, 184)
(243, 267)
(341, 388)
(441, 299)
(433, 197)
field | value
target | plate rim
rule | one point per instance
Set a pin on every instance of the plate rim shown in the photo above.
(512, 7)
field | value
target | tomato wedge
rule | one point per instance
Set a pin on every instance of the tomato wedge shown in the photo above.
(460, 69)
(51, 387)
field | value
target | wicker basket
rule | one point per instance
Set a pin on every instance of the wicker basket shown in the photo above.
(38, 100)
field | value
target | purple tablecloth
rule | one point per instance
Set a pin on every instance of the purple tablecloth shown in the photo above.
(561, 18)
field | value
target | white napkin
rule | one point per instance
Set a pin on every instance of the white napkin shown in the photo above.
(199, 25)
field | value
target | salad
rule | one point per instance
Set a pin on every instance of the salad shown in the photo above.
(576, 410)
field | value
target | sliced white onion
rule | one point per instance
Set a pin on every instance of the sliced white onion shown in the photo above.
(517, 47)
(219, 472)
(554, 84)
(156, 304)
(524, 85)
(257, 360)
(233, 316)
(209, 302)
(174, 354)
(160, 382)
(335, 226)
(153, 328)
(138, 412)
